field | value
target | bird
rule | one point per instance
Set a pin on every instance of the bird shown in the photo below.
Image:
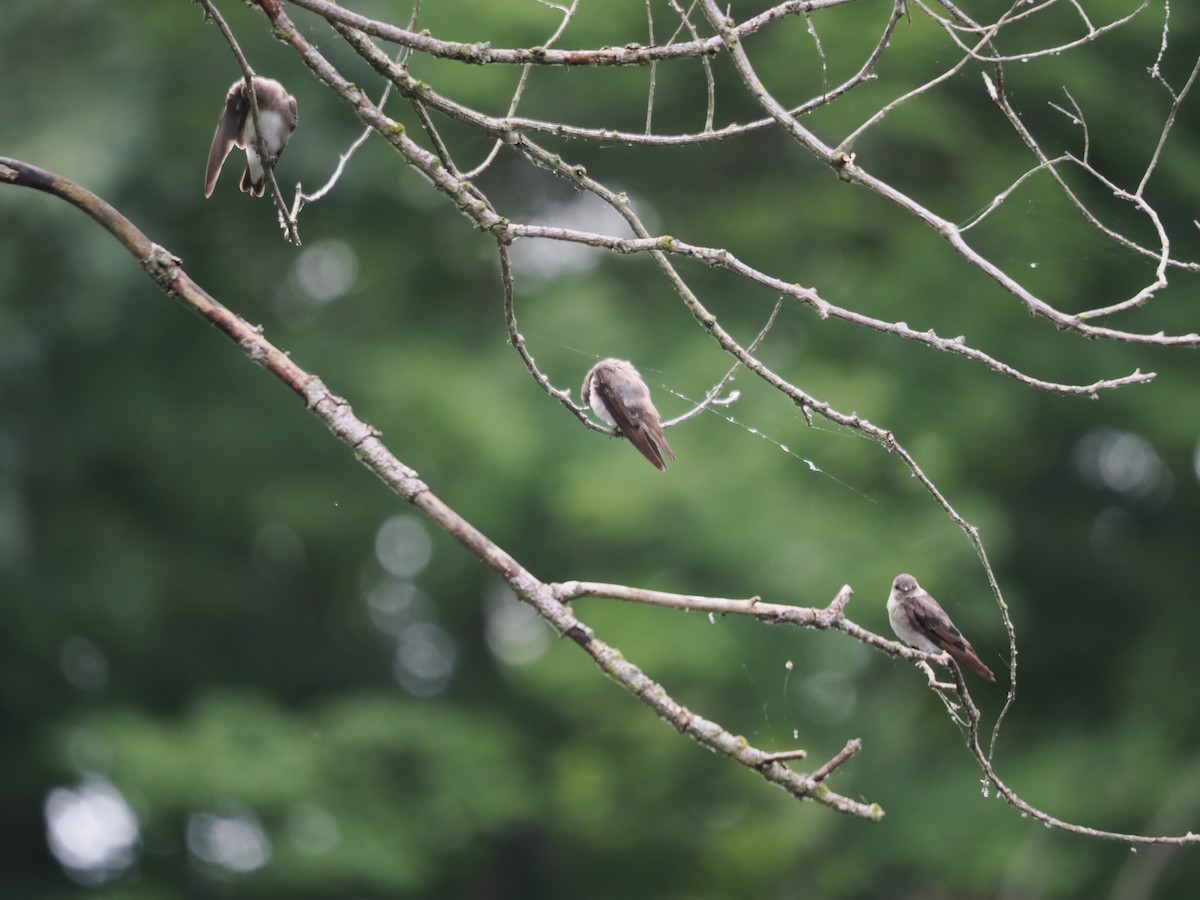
(918, 620)
(616, 393)
(276, 112)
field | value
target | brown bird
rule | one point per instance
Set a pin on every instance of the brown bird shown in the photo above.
(616, 393)
(918, 620)
(276, 111)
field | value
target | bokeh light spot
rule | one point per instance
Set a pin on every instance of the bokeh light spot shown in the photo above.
(230, 842)
(312, 829)
(91, 830)
(425, 658)
(327, 269)
(1124, 463)
(83, 664)
(403, 546)
(514, 632)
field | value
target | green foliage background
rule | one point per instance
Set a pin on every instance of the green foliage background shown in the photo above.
(187, 559)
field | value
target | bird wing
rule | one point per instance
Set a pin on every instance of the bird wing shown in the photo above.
(627, 411)
(635, 396)
(933, 620)
(229, 132)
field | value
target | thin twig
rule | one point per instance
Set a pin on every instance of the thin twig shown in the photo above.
(300, 199)
(568, 13)
(852, 746)
(714, 393)
(785, 755)
(846, 167)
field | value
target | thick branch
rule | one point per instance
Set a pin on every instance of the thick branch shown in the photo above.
(364, 441)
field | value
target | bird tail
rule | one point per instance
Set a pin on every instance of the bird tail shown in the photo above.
(967, 657)
(254, 188)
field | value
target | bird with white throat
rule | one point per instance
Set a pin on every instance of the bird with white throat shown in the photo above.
(919, 621)
(235, 128)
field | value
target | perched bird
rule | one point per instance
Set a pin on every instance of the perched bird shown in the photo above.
(918, 620)
(616, 393)
(276, 112)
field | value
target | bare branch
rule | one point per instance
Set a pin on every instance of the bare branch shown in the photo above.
(711, 256)
(1017, 14)
(482, 53)
(568, 13)
(847, 169)
(969, 42)
(1176, 101)
(364, 441)
(852, 747)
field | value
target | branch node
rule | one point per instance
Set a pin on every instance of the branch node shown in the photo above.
(314, 392)
(162, 266)
(837, 607)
